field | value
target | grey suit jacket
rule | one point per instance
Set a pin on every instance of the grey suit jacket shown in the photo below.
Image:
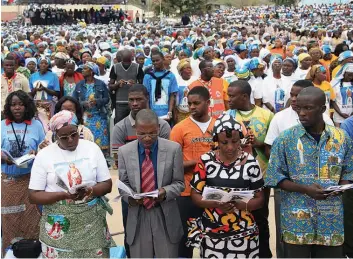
(170, 176)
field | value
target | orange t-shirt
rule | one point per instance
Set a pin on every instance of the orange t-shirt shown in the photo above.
(279, 51)
(193, 142)
(218, 88)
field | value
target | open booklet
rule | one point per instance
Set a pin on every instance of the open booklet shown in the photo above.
(127, 192)
(214, 194)
(19, 161)
(339, 188)
(62, 182)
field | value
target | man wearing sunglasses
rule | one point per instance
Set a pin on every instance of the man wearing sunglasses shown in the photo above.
(148, 164)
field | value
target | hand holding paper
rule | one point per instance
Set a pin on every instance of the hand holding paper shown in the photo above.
(128, 192)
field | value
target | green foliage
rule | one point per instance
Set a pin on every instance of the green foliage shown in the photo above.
(170, 7)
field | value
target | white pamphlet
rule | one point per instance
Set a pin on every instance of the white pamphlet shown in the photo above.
(214, 194)
(128, 192)
(19, 161)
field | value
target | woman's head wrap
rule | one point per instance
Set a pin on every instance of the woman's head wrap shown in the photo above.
(30, 60)
(182, 64)
(301, 57)
(227, 123)
(103, 61)
(62, 119)
(311, 74)
(255, 63)
(326, 49)
(46, 59)
(93, 67)
(340, 74)
(344, 55)
(292, 61)
(242, 72)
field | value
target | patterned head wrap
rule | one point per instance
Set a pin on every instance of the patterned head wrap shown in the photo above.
(14, 46)
(275, 57)
(46, 59)
(292, 61)
(102, 60)
(61, 55)
(182, 64)
(93, 67)
(62, 119)
(311, 74)
(242, 73)
(344, 55)
(255, 63)
(340, 74)
(226, 123)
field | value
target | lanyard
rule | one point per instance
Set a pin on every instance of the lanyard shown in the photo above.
(20, 147)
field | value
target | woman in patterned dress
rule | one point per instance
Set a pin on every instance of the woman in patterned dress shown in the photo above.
(226, 229)
(69, 79)
(94, 97)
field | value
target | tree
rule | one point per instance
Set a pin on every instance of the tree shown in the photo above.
(181, 6)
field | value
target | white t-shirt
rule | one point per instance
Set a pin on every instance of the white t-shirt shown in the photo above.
(300, 74)
(344, 97)
(256, 88)
(276, 92)
(202, 125)
(57, 71)
(284, 120)
(86, 163)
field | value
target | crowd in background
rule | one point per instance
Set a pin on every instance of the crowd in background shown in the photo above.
(237, 99)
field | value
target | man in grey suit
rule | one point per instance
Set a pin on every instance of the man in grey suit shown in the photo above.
(154, 227)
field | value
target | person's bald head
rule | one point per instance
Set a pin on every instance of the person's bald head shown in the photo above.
(126, 56)
(310, 106)
(315, 94)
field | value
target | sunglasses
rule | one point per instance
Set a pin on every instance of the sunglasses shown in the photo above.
(66, 137)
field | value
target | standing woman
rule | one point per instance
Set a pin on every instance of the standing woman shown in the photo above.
(45, 86)
(72, 225)
(20, 134)
(71, 104)
(94, 97)
(102, 63)
(31, 65)
(304, 64)
(317, 74)
(184, 79)
(69, 79)
(229, 74)
(342, 84)
(226, 229)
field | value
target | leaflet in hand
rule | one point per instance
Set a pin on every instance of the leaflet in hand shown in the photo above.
(213, 194)
(339, 188)
(20, 160)
(128, 192)
(62, 182)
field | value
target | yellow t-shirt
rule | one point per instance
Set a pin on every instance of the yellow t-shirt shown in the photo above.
(329, 92)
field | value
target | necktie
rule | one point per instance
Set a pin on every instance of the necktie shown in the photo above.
(147, 178)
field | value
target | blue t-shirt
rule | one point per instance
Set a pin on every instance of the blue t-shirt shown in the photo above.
(347, 125)
(34, 136)
(49, 80)
(169, 86)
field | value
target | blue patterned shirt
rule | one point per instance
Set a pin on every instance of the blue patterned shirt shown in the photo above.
(298, 157)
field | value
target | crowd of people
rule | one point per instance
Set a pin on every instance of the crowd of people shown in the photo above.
(249, 99)
(35, 15)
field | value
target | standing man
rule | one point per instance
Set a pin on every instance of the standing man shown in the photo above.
(305, 160)
(257, 120)
(162, 88)
(217, 88)
(12, 81)
(122, 76)
(137, 17)
(282, 121)
(125, 131)
(194, 134)
(154, 228)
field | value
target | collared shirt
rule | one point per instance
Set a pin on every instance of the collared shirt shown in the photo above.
(347, 125)
(298, 157)
(153, 156)
(9, 85)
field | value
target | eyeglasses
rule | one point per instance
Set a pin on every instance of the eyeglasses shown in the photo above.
(66, 137)
(147, 135)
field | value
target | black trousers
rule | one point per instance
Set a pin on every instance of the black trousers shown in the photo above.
(312, 251)
(261, 218)
(348, 223)
(125, 209)
(121, 111)
(187, 210)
